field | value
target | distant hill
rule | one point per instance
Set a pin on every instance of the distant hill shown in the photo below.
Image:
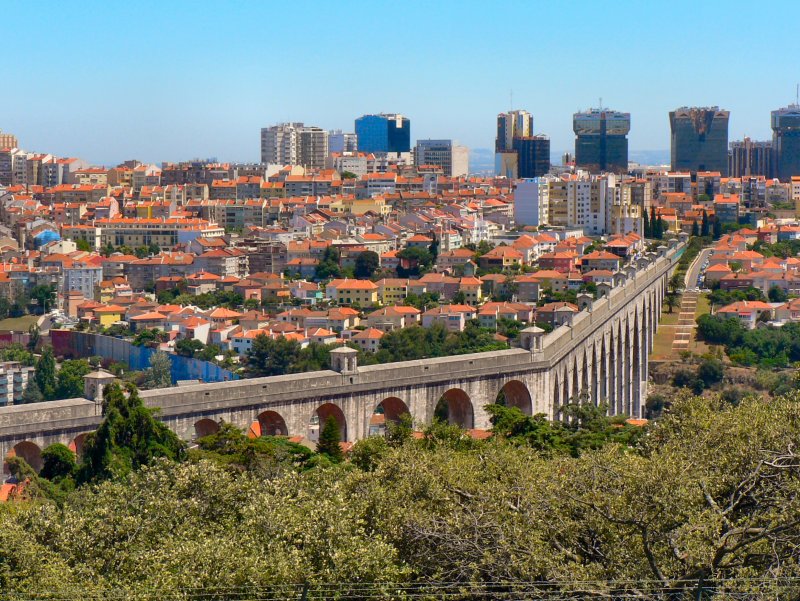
(481, 160)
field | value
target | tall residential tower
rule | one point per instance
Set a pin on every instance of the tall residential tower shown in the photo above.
(294, 144)
(699, 139)
(601, 140)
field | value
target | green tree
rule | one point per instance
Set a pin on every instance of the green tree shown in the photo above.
(34, 337)
(647, 229)
(187, 347)
(57, 462)
(314, 357)
(45, 374)
(419, 259)
(209, 352)
(252, 304)
(83, 245)
(671, 301)
(44, 295)
(704, 226)
(711, 371)
(717, 228)
(777, 295)
(433, 248)
(32, 393)
(367, 262)
(128, 438)
(660, 228)
(271, 357)
(329, 439)
(653, 220)
(695, 228)
(147, 337)
(69, 379)
(266, 456)
(159, 374)
(328, 266)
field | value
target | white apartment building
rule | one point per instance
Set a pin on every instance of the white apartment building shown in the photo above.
(83, 277)
(531, 201)
(294, 144)
(13, 380)
(279, 144)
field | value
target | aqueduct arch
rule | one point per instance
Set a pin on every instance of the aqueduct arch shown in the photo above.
(516, 394)
(455, 407)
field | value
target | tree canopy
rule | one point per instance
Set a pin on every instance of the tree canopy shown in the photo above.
(367, 262)
(128, 438)
(709, 494)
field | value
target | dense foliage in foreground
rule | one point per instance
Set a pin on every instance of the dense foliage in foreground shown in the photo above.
(711, 490)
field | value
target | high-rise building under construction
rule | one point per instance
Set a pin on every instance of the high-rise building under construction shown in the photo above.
(699, 139)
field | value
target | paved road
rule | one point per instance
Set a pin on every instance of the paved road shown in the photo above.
(686, 323)
(694, 269)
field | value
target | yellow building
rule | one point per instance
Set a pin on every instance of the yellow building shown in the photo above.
(392, 291)
(109, 315)
(349, 292)
(471, 287)
(359, 206)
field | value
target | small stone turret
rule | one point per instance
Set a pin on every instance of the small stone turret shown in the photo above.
(532, 338)
(94, 384)
(344, 360)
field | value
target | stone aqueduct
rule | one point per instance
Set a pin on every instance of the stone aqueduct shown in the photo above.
(600, 355)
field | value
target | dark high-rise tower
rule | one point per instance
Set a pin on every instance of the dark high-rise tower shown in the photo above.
(601, 140)
(699, 139)
(786, 141)
(533, 155)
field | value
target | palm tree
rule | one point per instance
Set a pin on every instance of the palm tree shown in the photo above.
(672, 301)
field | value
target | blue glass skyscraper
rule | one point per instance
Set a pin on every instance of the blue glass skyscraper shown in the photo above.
(383, 133)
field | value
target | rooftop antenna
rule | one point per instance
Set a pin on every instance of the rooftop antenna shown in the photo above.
(797, 94)
(511, 99)
(601, 103)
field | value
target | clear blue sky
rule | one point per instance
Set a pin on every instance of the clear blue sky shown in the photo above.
(172, 80)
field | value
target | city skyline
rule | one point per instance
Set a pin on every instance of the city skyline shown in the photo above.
(128, 102)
